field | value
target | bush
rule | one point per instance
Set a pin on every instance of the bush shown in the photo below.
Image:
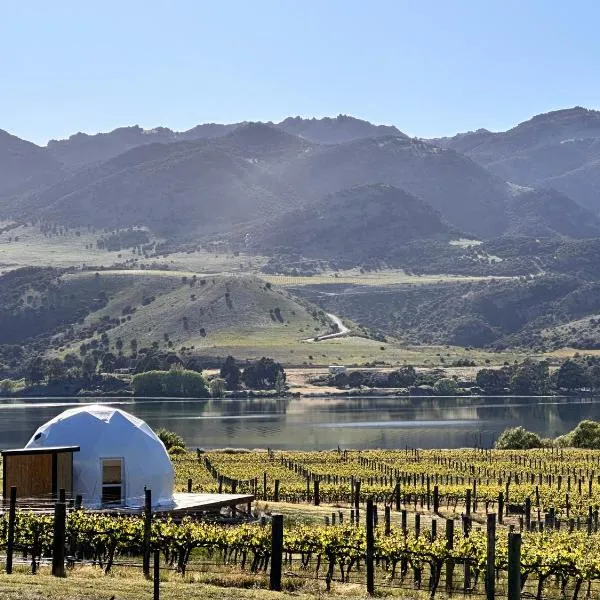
(518, 438)
(217, 387)
(176, 450)
(585, 435)
(170, 439)
(446, 386)
(178, 383)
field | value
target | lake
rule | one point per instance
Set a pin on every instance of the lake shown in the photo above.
(321, 423)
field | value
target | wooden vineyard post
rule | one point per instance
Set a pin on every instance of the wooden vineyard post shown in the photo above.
(264, 485)
(528, 513)
(514, 566)
(370, 549)
(397, 496)
(10, 542)
(276, 552)
(317, 498)
(189, 486)
(276, 491)
(147, 531)
(449, 562)
(156, 581)
(490, 565)
(388, 520)
(357, 495)
(58, 541)
(436, 499)
(468, 501)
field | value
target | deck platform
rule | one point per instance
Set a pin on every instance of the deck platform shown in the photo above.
(183, 503)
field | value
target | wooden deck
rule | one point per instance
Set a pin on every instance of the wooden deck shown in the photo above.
(183, 503)
(199, 502)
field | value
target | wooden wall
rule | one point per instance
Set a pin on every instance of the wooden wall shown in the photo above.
(64, 472)
(30, 473)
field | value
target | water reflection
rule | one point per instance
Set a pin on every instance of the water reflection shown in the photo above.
(318, 423)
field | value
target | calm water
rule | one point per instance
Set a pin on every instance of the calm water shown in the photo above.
(319, 423)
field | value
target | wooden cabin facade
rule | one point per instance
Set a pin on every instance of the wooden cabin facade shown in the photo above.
(38, 472)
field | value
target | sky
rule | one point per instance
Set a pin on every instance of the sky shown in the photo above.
(430, 67)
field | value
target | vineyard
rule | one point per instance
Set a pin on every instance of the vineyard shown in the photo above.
(435, 521)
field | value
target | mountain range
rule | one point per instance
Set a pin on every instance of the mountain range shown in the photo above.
(537, 179)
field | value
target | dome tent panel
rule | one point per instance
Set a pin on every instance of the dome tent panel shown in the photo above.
(104, 433)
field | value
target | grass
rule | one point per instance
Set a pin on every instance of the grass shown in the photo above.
(89, 583)
(33, 248)
(375, 278)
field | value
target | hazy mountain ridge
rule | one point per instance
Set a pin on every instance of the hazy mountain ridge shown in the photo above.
(213, 178)
(24, 165)
(356, 225)
(559, 149)
(82, 149)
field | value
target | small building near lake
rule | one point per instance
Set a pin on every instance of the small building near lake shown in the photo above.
(117, 456)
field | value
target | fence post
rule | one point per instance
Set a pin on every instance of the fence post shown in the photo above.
(436, 499)
(276, 552)
(490, 565)
(317, 499)
(58, 542)
(397, 496)
(189, 486)
(264, 485)
(147, 531)
(514, 566)
(10, 542)
(370, 549)
(357, 495)
(468, 501)
(388, 520)
(528, 513)
(449, 562)
(500, 508)
(276, 491)
(156, 582)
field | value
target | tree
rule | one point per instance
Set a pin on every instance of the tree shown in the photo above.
(593, 377)
(571, 375)
(231, 373)
(492, 381)
(531, 378)
(55, 370)
(262, 374)
(88, 367)
(280, 383)
(403, 377)
(518, 438)
(585, 435)
(446, 386)
(34, 370)
(217, 387)
(169, 438)
(356, 379)
(175, 383)
(108, 363)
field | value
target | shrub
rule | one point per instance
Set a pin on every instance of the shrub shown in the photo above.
(518, 438)
(170, 439)
(217, 387)
(176, 450)
(446, 386)
(178, 383)
(585, 435)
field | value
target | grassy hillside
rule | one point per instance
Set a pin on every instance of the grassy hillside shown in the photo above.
(201, 313)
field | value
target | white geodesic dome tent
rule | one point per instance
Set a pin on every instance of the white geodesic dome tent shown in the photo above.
(119, 456)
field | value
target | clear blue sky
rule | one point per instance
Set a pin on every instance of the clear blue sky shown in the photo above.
(431, 67)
